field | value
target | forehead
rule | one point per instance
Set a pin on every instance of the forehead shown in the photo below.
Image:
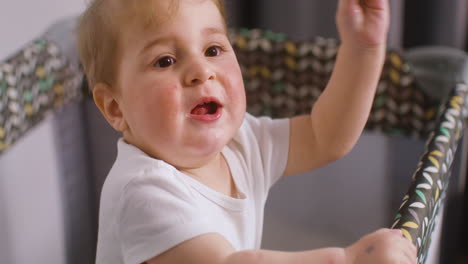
(142, 12)
(163, 20)
(151, 14)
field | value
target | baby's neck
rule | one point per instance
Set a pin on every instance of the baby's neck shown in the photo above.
(215, 175)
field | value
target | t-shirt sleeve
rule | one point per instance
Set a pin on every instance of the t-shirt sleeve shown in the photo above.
(157, 213)
(267, 141)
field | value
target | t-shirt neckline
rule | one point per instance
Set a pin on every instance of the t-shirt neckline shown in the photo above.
(226, 201)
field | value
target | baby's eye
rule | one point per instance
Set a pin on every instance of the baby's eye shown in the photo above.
(213, 51)
(164, 62)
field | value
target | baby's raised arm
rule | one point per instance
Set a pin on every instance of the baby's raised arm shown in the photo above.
(340, 114)
(383, 246)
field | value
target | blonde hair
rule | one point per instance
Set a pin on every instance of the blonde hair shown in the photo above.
(99, 32)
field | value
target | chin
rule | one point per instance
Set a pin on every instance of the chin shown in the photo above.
(208, 146)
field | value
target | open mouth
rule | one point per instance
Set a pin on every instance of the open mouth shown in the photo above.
(206, 108)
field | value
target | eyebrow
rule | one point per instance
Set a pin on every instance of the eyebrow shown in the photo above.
(205, 32)
(153, 43)
(213, 30)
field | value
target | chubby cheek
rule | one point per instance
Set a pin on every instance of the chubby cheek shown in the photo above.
(235, 89)
(156, 108)
(164, 110)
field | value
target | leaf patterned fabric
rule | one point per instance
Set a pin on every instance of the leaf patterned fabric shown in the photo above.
(284, 78)
(416, 217)
(34, 82)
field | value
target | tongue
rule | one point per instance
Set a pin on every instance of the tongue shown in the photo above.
(200, 110)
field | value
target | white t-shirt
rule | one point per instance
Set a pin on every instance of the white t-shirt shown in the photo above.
(147, 206)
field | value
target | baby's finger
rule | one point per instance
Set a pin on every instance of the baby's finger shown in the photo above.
(409, 250)
(346, 6)
(374, 4)
(396, 231)
(411, 257)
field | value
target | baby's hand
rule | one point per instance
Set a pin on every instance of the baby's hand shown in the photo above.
(363, 23)
(384, 246)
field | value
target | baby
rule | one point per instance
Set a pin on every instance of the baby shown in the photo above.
(193, 169)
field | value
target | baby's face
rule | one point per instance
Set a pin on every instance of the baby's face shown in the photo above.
(180, 86)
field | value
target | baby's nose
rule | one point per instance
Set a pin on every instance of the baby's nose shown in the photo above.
(199, 73)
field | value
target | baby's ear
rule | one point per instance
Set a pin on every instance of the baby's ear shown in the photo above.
(105, 99)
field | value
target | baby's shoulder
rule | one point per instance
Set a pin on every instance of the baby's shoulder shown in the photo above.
(135, 173)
